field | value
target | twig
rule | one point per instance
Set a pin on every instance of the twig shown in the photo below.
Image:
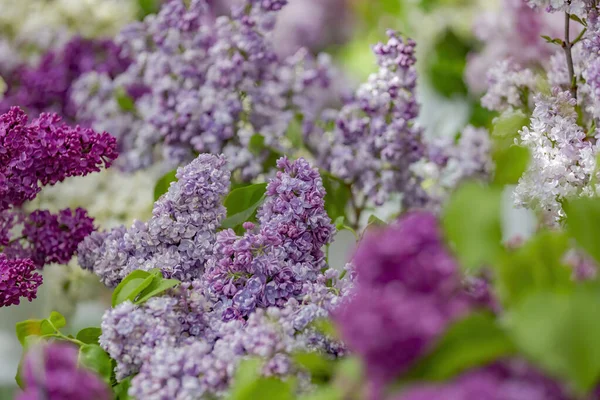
(567, 45)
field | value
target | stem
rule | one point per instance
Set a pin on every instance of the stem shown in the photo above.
(567, 45)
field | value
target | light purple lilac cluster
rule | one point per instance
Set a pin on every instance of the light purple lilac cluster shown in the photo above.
(577, 7)
(52, 372)
(17, 279)
(407, 291)
(258, 296)
(513, 380)
(46, 87)
(269, 266)
(513, 31)
(376, 138)
(211, 84)
(179, 237)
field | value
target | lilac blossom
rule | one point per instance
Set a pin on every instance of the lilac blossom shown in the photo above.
(213, 83)
(512, 379)
(17, 279)
(52, 372)
(270, 266)
(179, 237)
(44, 152)
(46, 86)
(509, 86)
(408, 290)
(376, 139)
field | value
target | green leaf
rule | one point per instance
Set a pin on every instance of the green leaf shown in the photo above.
(583, 223)
(163, 184)
(325, 326)
(131, 286)
(375, 221)
(294, 132)
(559, 332)
(159, 285)
(506, 127)
(121, 388)
(446, 64)
(89, 335)
(95, 358)
(30, 327)
(471, 342)
(57, 320)
(481, 117)
(18, 375)
(337, 196)
(511, 163)
(534, 267)
(471, 222)
(321, 368)
(340, 225)
(126, 102)
(242, 204)
(147, 7)
(256, 144)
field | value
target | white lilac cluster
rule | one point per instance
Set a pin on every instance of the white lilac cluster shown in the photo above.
(188, 343)
(511, 30)
(376, 138)
(449, 164)
(563, 159)
(577, 7)
(178, 237)
(30, 27)
(200, 83)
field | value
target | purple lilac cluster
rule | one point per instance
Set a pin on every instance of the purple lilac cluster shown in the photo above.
(513, 380)
(270, 266)
(408, 289)
(44, 152)
(179, 237)
(211, 84)
(131, 334)
(17, 279)
(46, 87)
(52, 372)
(577, 7)
(376, 139)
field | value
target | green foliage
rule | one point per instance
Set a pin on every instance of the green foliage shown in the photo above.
(583, 223)
(481, 117)
(511, 163)
(125, 102)
(446, 64)
(89, 335)
(139, 286)
(39, 327)
(340, 225)
(471, 342)
(242, 204)
(506, 127)
(163, 184)
(471, 222)
(534, 267)
(93, 357)
(249, 385)
(121, 388)
(337, 195)
(147, 7)
(559, 332)
(321, 368)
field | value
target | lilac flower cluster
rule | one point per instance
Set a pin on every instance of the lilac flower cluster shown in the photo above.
(178, 239)
(46, 86)
(51, 372)
(130, 334)
(513, 380)
(376, 139)
(45, 151)
(269, 267)
(17, 279)
(577, 7)
(513, 31)
(563, 159)
(210, 84)
(258, 296)
(408, 290)
(509, 86)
